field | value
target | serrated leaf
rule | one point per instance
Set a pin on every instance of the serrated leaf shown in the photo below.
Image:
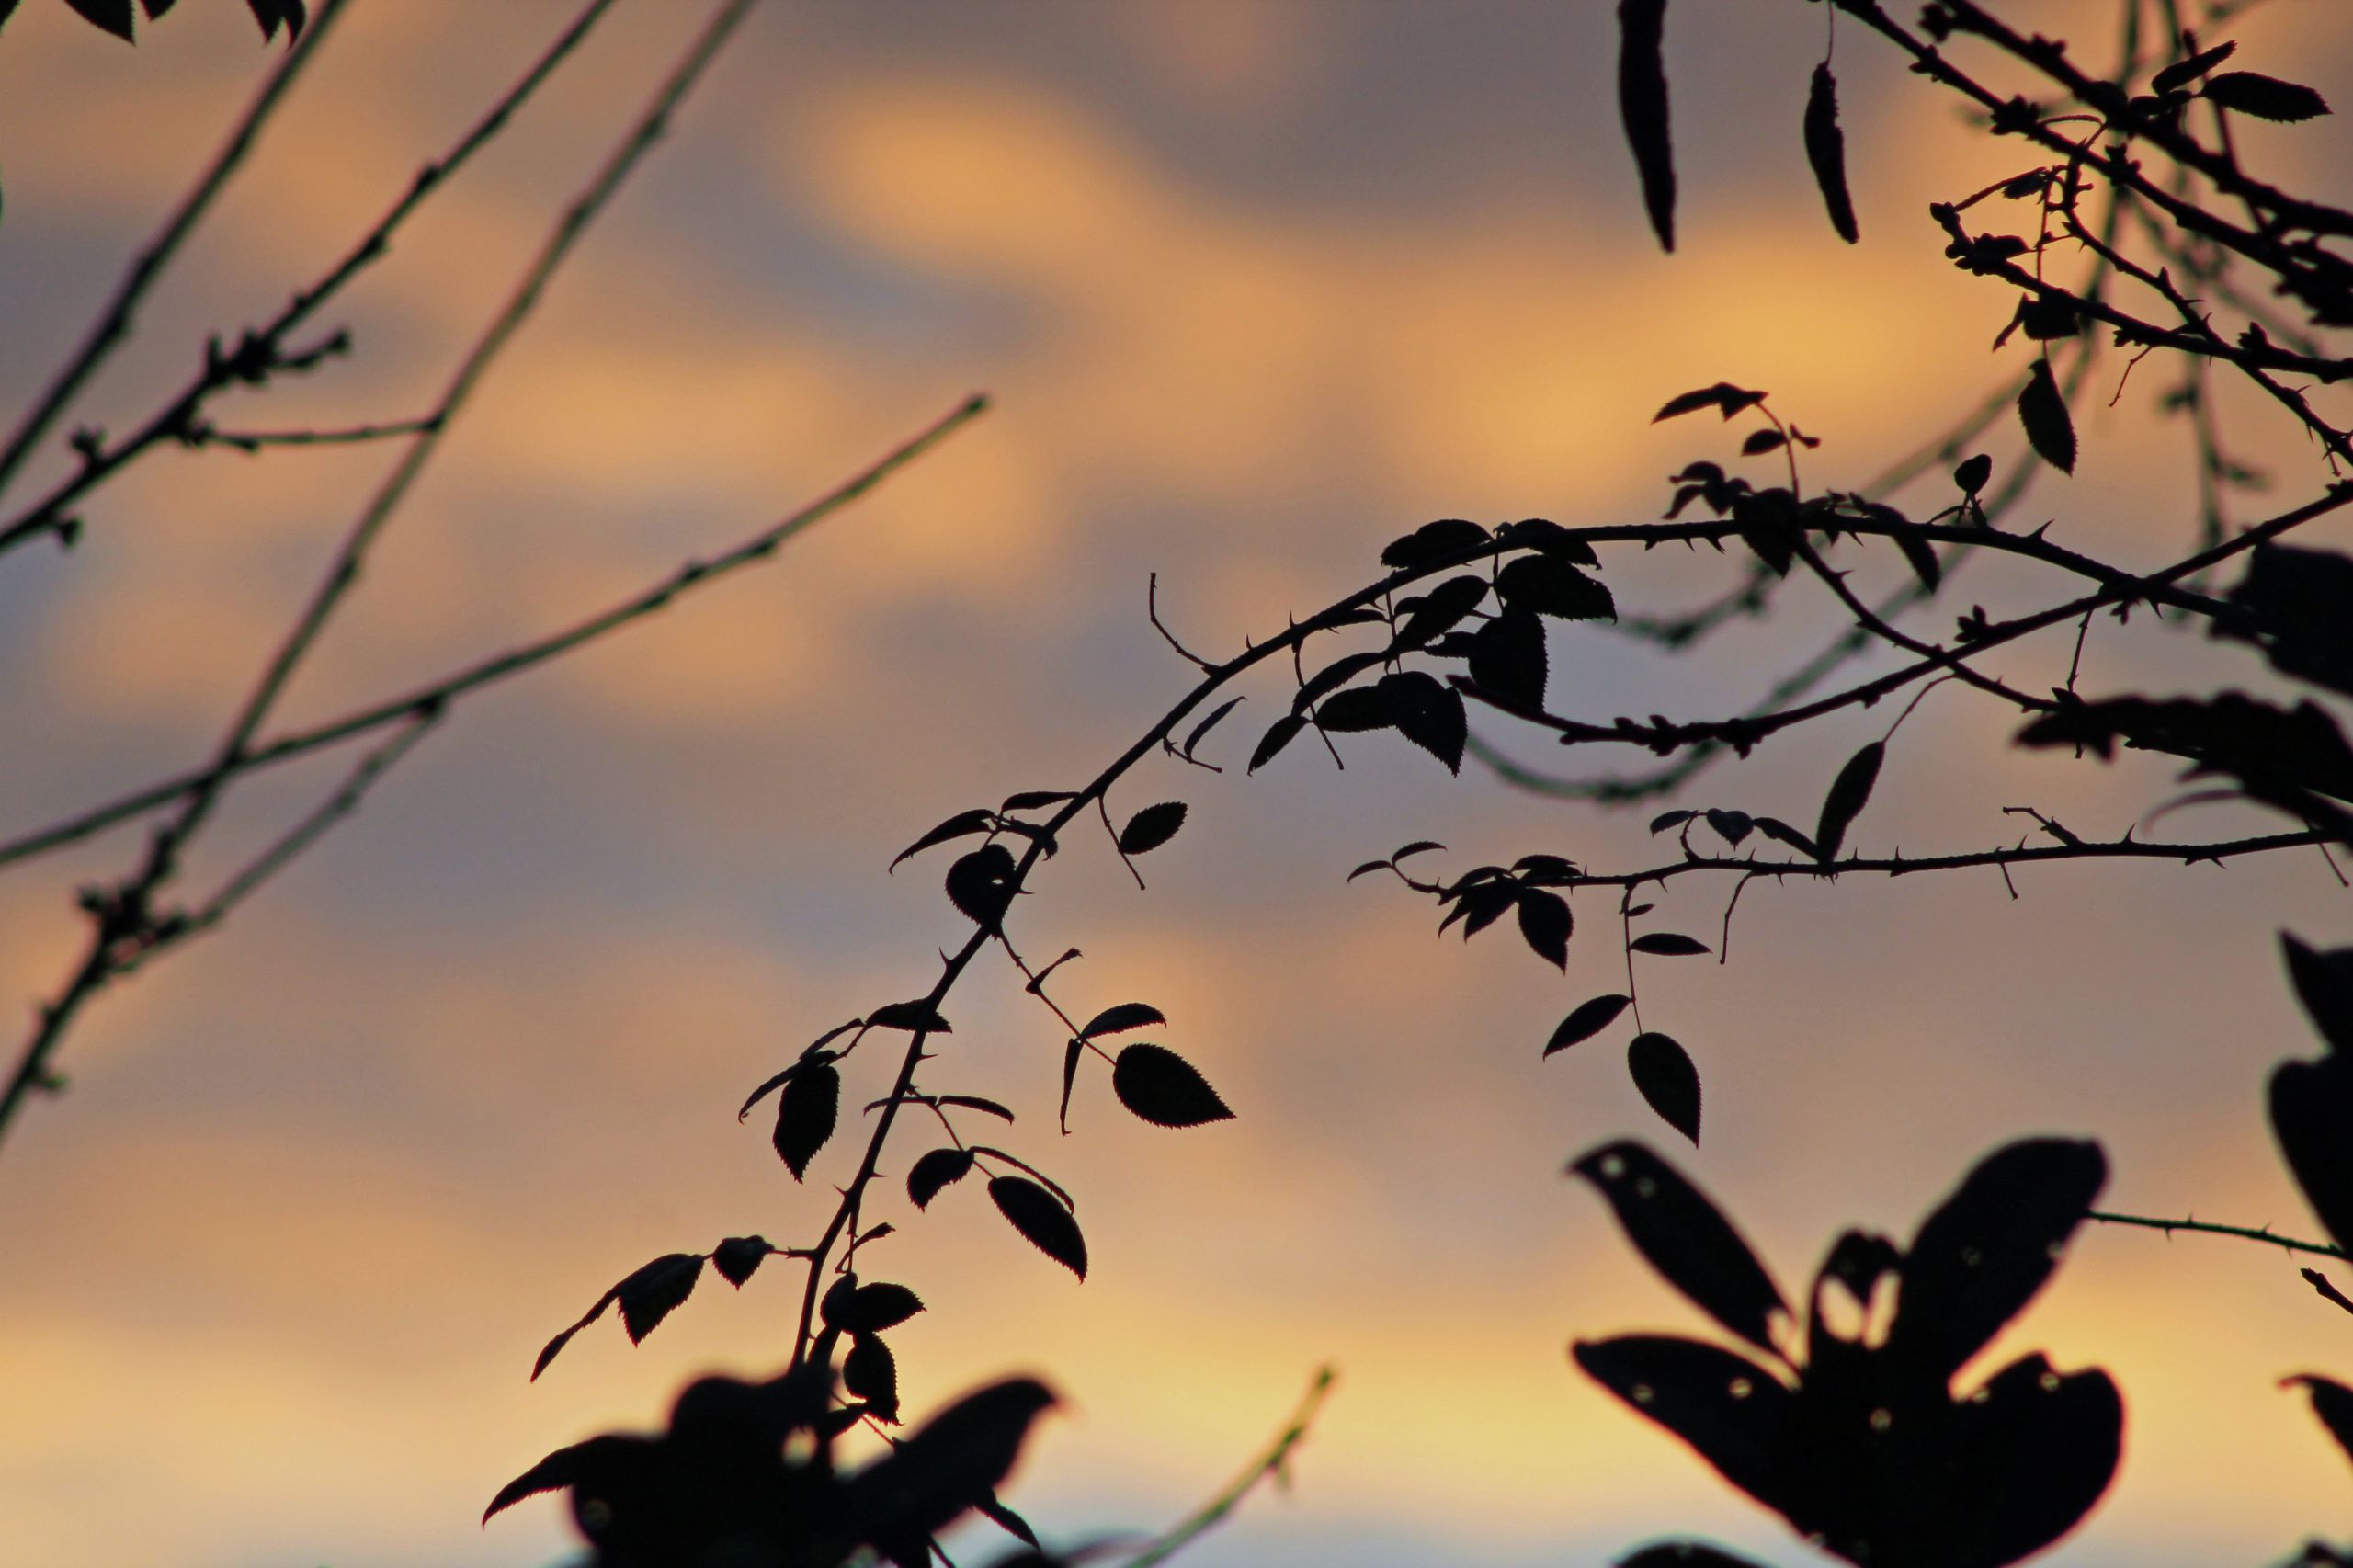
(871, 1309)
(935, 1171)
(1434, 541)
(1586, 1020)
(1545, 924)
(805, 1115)
(1279, 735)
(739, 1257)
(1072, 1052)
(2266, 97)
(1641, 105)
(871, 1373)
(1430, 715)
(961, 824)
(1507, 657)
(1825, 151)
(1662, 1070)
(1164, 1090)
(269, 15)
(1419, 846)
(1042, 1222)
(655, 1291)
(1151, 827)
(1119, 1019)
(2043, 412)
(1549, 585)
(1331, 677)
(981, 885)
(1668, 945)
(1438, 610)
(975, 1102)
(1544, 534)
(1369, 867)
(2183, 71)
(1358, 708)
(1195, 735)
(555, 1346)
(1849, 793)
(912, 1016)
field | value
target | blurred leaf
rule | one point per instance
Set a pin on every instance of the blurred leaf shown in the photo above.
(1684, 1554)
(2311, 1116)
(2043, 412)
(1687, 1239)
(2332, 1401)
(2034, 1451)
(1757, 443)
(2324, 982)
(1662, 1070)
(2247, 92)
(1047, 1225)
(1586, 1020)
(1751, 1438)
(1723, 397)
(112, 16)
(2183, 71)
(1164, 1088)
(1825, 151)
(1641, 104)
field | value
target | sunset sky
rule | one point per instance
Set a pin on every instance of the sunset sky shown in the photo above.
(1255, 288)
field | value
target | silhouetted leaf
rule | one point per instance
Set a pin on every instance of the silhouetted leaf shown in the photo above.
(1730, 825)
(935, 1171)
(1048, 1226)
(1430, 715)
(1434, 541)
(1587, 1019)
(1686, 1238)
(980, 884)
(270, 14)
(1757, 443)
(1849, 793)
(1668, 945)
(871, 1309)
(1195, 735)
(560, 1468)
(1028, 800)
(1684, 1554)
(2033, 1450)
(870, 1372)
(1544, 534)
(2324, 982)
(2294, 602)
(1974, 473)
(1007, 1521)
(1922, 557)
(1665, 820)
(2184, 72)
(1739, 1417)
(2266, 97)
(1439, 608)
(1988, 1248)
(739, 1257)
(2332, 1401)
(980, 1103)
(2043, 412)
(961, 824)
(1825, 151)
(1641, 104)
(650, 1294)
(911, 1015)
(2047, 317)
(1358, 710)
(1481, 906)
(1071, 1050)
(1723, 397)
(1119, 1019)
(1552, 586)
(1164, 1088)
(1507, 658)
(1151, 827)
(1331, 677)
(113, 16)
(1369, 867)
(1545, 924)
(548, 1352)
(952, 1464)
(805, 1114)
(1662, 1070)
(1545, 871)
(1279, 735)
(2312, 1115)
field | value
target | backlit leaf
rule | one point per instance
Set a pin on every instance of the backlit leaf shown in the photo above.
(1849, 793)
(1151, 827)
(1641, 104)
(1586, 1020)
(652, 1292)
(2043, 412)
(1545, 924)
(1825, 151)
(805, 1114)
(1164, 1088)
(1687, 1239)
(935, 1171)
(1119, 1019)
(1662, 1070)
(1048, 1226)
(1668, 945)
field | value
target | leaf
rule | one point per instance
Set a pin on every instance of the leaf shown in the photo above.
(560, 1468)
(1665, 820)
(1684, 1554)
(1974, 473)
(976, 1102)
(2044, 414)
(1007, 1521)
(871, 1373)
(1668, 945)
(2250, 92)
(2181, 72)
(109, 16)
(1759, 442)
(1723, 397)
(652, 1292)
(1125, 1016)
(1434, 541)
(1279, 735)
(871, 1309)
(739, 1257)
(1985, 1251)
(1331, 677)
(2293, 602)
(1544, 534)
(2323, 984)
(1662, 1070)
(2033, 1451)
(1439, 608)
(553, 1346)
(805, 1114)
(1825, 151)
(1430, 715)
(1194, 736)
(1552, 586)
(1369, 867)
(1507, 658)
(2311, 1116)
(981, 885)
(1731, 827)
(1029, 799)
(1738, 1415)
(1641, 104)
(958, 826)
(1071, 1054)
(952, 1463)
(1358, 710)
(1151, 827)
(1046, 1224)
(1922, 557)
(1686, 1238)
(1164, 1088)
(935, 1171)
(1586, 1020)
(2332, 1401)
(1545, 924)
(1781, 832)
(1849, 792)
(916, 1015)
(269, 14)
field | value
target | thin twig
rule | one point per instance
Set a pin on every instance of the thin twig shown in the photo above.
(1274, 1462)
(254, 440)
(2263, 1234)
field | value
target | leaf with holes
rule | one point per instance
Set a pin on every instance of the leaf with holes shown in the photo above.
(1125, 1016)
(1151, 827)
(805, 1114)
(1738, 1416)
(1686, 1238)
(1545, 924)
(981, 885)
(1668, 945)
(1849, 793)
(1044, 1223)
(935, 1171)
(1825, 151)
(2043, 412)
(1586, 1020)
(1662, 1070)
(1164, 1088)
(1641, 105)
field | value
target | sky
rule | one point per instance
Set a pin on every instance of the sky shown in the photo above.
(1254, 288)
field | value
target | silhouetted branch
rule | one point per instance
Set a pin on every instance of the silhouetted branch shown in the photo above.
(2262, 1234)
(2327, 1289)
(114, 325)
(254, 440)
(1273, 1463)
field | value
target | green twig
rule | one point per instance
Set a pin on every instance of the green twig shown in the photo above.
(1270, 1463)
